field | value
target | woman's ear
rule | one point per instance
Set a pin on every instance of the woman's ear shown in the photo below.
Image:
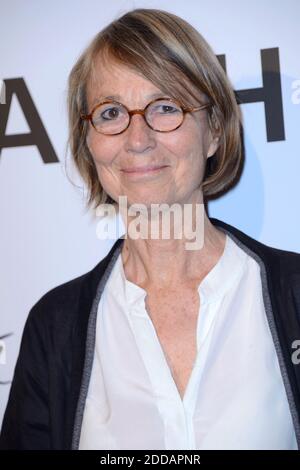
(214, 133)
(87, 141)
(213, 147)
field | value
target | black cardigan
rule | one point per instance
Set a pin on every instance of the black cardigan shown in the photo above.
(51, 377)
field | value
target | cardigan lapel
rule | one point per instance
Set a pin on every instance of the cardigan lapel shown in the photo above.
(277, 267)
(79, 336)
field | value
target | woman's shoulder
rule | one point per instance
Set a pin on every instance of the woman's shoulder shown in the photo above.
(277, 258)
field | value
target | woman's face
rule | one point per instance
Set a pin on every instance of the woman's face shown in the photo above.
(182, 152)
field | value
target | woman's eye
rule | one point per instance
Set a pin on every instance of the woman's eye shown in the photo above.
(168, 109)
(110, 113)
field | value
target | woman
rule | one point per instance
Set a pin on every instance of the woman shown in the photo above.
(160, 346)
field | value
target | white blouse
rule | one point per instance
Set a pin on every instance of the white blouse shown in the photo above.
(235, 397)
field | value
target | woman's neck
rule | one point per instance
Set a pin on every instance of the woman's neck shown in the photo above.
(167, 262)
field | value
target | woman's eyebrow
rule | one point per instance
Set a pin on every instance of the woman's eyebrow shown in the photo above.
(119, 98)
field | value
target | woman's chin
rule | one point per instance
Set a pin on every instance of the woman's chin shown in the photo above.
(146, 200)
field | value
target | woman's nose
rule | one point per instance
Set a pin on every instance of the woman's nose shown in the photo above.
(139, 134)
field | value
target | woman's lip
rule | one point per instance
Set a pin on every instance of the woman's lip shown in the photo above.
(143, 170)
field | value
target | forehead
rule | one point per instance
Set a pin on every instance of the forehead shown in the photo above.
(112, 80)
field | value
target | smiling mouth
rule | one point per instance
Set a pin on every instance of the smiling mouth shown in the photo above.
(146, 169)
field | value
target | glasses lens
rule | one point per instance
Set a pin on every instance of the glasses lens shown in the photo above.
(164, 115)
(110, 118)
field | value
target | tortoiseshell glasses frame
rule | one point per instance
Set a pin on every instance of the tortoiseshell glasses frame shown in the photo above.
(142, 112)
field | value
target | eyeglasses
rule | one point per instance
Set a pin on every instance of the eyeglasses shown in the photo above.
(161, 115)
